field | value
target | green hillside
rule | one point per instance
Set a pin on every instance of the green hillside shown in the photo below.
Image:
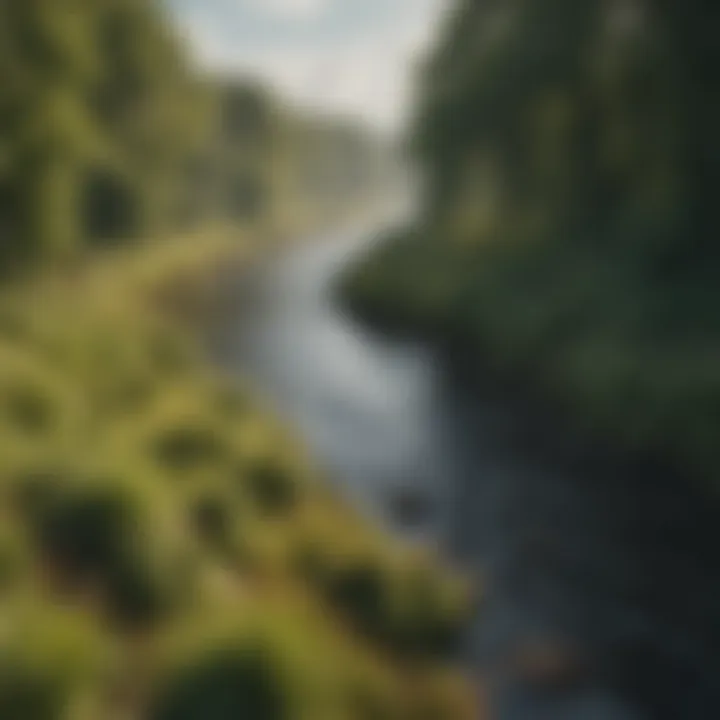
(566, 227)
(167, 549)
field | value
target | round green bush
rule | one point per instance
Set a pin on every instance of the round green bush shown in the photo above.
(36, 405)
(271, 487)
(140, 592)
(32, 488)
(360, 590)
(29, 409)
(102, 531)
(187, 446)
(50, 661)
(89, 529)
(423, 623)
(229, 680)
(213, 518)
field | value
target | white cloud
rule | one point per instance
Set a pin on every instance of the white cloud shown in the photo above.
(369, 75)
(290, 9)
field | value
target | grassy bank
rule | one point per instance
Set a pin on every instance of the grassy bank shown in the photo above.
(168, 550)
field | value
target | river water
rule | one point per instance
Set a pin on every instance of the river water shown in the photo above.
(618, 574)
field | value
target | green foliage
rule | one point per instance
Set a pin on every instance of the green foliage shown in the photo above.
(102, 124)
(400, 601)
(213, 517)
(50, 663)
(186, 446)
(54, 136)
(567, 226)
(227, 680)
(160, 511)
(272, 488)
(139, 492)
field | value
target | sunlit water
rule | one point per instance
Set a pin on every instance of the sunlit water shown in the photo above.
(567, 560)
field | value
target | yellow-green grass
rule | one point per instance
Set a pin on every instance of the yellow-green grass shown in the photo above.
(168, 549)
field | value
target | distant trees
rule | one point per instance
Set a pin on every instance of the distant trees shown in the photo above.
(591, 121)
(247, 148)
(97, 113)
(570, 154)
(108, 133)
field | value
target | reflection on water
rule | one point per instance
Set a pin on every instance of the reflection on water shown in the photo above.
(364, 404)
(575, 552)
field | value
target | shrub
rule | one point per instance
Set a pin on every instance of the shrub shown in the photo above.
(141, 592)
(102, 531)
(222, 672)
(32, 486)
(213, 517)
(88, 529)
(50, 661)
(187, 445)
(35, 405)
(271, 487)
(227, 682)
(360, 589)
(426, 621)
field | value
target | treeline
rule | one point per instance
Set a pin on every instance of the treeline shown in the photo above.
(108, 132)
(567, 232)
(100, 120)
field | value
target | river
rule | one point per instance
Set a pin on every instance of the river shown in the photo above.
(573, 557)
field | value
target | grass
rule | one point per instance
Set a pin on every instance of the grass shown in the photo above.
(168, 549)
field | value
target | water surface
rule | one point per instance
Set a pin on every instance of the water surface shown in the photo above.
(573, 555)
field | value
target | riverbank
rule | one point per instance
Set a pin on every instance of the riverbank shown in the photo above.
(513, 316)
(161, 524)
(619, 534)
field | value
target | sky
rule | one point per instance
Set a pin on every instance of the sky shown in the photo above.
(347, 56)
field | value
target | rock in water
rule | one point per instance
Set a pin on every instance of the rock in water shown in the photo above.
(411, 507)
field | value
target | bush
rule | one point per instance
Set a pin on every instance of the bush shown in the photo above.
(34, 485)
(361, 590)
(50, 662)
(225, 683)
(271, 487)
(94, 421)
(101, 532)
(35, 405)
(427, 620)
(213, 516)
(222, 669)
(88, 528)
(187, 446)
